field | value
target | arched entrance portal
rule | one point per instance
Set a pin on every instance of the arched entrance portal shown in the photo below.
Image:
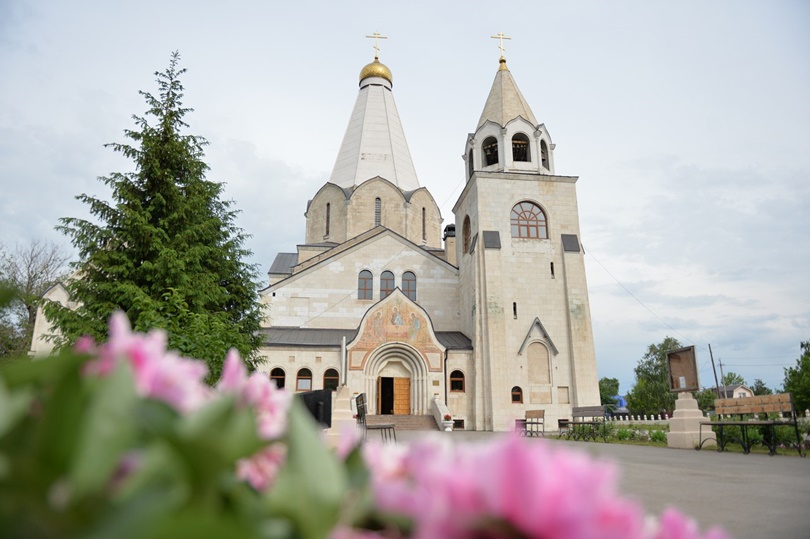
(396, 380)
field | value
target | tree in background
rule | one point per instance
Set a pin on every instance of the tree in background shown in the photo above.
(797, 379)
(166, 250)
(733, 379)
(29, 271)
(608, 389)
(705, 398)
(650, 394)
(759, 388)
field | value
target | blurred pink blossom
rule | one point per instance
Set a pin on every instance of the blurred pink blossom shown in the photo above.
(261, 469)
(481, 490)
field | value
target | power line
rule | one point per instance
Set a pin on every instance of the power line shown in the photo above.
(590, 253)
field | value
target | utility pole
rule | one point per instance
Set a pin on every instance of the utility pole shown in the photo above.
(722, 375)
(716, 383)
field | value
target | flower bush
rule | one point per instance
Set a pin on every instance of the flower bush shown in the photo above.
(124, 439)
(448, 417)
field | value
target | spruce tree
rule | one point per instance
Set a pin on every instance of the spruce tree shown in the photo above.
(166, 250)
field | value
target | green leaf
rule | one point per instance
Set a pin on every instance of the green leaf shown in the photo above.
(13, 406)
(311, 477)
(107, 431)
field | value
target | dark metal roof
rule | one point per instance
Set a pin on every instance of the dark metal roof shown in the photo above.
(333, 337)
(284, 263)
(454, 340)
(306, 336)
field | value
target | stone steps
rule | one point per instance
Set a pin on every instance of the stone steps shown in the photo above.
(404, 422)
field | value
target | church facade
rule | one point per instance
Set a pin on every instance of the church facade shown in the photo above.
(489, 316)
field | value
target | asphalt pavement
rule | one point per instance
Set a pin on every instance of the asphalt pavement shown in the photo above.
(750, 496)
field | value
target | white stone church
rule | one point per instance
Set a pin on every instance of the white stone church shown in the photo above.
(492, 322)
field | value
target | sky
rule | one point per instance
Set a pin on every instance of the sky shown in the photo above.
(686, 123)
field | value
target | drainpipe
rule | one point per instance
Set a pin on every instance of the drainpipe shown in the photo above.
(445, 376)
(343, 360)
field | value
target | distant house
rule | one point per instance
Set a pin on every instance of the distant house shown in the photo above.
(737, 391)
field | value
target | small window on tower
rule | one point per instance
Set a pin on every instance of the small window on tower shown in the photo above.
(328, 215)
(470, 165)
(490, 150)
(424, 225)
(377, 212)
(520, 148)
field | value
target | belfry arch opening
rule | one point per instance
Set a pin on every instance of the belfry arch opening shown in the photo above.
(520, 148)
(489, 149)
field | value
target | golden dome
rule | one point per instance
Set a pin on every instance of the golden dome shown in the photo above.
(376, 69)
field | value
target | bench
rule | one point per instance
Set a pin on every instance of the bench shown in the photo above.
(749, 411)
(587, 422)
(532, 424)
(387, 431)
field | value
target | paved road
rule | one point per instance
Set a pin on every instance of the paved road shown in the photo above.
(751, 496)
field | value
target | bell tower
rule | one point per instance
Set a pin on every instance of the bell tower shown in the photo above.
(523, 291)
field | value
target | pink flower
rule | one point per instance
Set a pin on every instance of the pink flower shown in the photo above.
(261, 469)
(259, 392)
(675, 525)
(476, 490)
(158, 374)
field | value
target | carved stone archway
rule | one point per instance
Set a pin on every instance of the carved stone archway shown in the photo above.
(395, 356)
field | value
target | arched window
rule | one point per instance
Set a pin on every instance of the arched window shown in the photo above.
(328, 215)
(409, 285)
(365, 285)
(377, 212)
(470, 165)
(304, 380)
(331, 379)
(544, 154)
(490, 150)
(277, 376)
(465, 234)
(457, 382)
(386, 284)
(517, 395)
(520, 148)
(528, 221)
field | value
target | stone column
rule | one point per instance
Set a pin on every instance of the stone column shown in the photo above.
(684, 426)
(342, 417)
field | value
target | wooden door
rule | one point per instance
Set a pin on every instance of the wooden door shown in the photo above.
(402, 396)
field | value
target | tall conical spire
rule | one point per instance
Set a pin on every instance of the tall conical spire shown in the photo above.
(374, 143)
(505, 102)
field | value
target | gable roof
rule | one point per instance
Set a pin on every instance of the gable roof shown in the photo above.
(356, 243)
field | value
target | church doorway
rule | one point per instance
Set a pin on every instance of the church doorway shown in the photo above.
(394, 395)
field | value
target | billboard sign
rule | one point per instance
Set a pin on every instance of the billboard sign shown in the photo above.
(682, 373)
